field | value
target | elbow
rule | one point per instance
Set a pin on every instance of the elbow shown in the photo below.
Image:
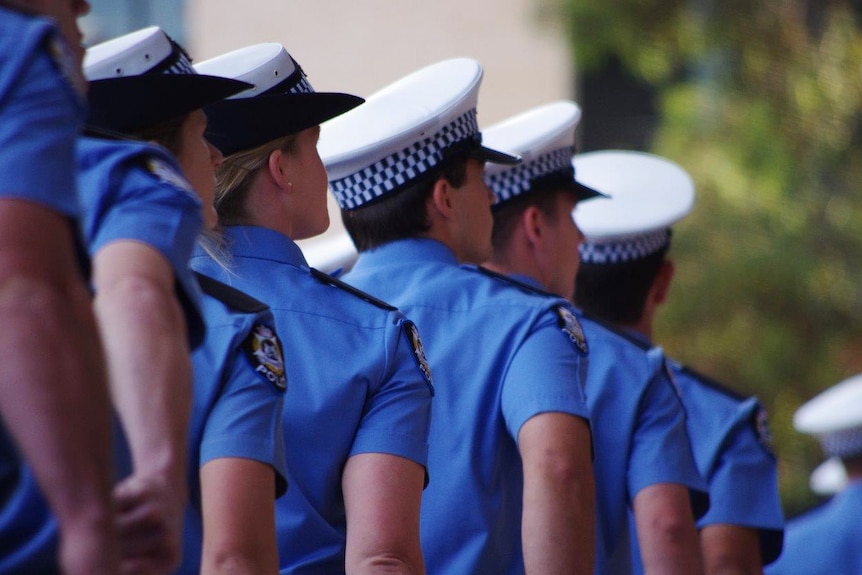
(389, 563)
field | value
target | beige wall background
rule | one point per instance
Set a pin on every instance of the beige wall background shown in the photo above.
(359, 46)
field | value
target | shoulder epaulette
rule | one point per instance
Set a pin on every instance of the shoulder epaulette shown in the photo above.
(619, 331)
(230, 296)
(513, 282)
(711, 383)
(334, 282)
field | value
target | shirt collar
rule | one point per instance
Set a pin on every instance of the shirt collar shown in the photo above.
(262, 243)
(410, 251)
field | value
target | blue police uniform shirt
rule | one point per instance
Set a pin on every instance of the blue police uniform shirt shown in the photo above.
(826, 540)
(355, 386)
(41, 113)
(500, 356)
(239, 388)
(639, 433)
(733, 451)
(136, 191)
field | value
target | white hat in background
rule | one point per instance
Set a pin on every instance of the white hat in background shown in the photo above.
(646, 195)
(403, 131)
(544, 137)
(829, 478)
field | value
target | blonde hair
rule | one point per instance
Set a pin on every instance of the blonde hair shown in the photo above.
(236, 174)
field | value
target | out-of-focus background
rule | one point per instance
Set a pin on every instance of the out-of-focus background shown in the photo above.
(760, 101)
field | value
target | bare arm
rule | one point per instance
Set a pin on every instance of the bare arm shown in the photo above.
(667, 535)
(558, 526)
(382, 495)
(731, 550)
(53, 395)
(145, 340)
(238, 499)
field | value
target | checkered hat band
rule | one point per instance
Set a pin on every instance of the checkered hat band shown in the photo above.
(516, 180)
(177, 63)
(844, 443)
(402, 167)
(296, 83)
(622, 251)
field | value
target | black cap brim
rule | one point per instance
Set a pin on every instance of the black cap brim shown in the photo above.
(132, 103)
(495, 156)
(246, 123)
(585, 192)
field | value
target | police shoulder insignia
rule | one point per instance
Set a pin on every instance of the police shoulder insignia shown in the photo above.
(412, 334)
(760, 423)
(169, 175)
(263, 350)
(62, 55)
(572, 328)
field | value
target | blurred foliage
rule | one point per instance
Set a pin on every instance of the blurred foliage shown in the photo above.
(761, 102)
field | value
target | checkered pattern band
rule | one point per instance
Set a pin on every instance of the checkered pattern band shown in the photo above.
(177, 63)
(844, 443)
(302, 87)
(624, 250)
(516, 180)
(402, 167)
(296, 83)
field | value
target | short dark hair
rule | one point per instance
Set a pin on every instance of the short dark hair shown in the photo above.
(401, 214)
(617, 292)
(543, 194)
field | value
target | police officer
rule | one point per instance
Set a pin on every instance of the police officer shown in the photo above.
(356, 417)
(643, 456)
(144, 211)
(623, 278)
(53, 394)
(828, 538)
(511, 480)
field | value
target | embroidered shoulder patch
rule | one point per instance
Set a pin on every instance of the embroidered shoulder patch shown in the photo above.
(572, 328)
(761, 427)
(62, 55)
(418, 350)
(263, 350)
(169, 175)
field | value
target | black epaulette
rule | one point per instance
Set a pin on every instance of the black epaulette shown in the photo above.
(712, 383)
(513, 282)
(334, 282)
(619, 331)
(230, 296)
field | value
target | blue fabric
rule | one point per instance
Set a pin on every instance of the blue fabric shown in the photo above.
(639, 433)
(732, 449)
(40, 115)
(826, 540)
(122, 198)
(236, 412)
(353, 387)
(499, 357)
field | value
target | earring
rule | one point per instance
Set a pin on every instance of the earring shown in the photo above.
(289, 187)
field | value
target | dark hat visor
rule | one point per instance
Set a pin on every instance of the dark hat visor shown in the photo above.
(495, 156)
(132, 103)
(246, 123)
(585, 192)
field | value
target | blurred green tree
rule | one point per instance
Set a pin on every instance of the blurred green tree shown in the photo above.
(761, 102)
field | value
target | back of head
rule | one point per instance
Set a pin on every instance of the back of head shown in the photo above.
(627, 234)
(384, 157)
(251, 125)
(544, 137)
